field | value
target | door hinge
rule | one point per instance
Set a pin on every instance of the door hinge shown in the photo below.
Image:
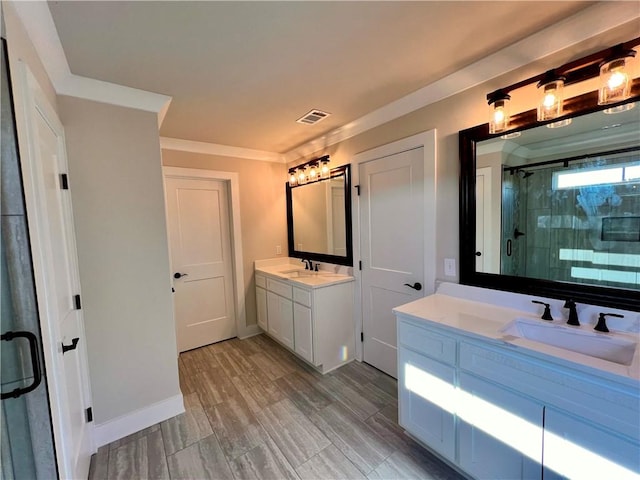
(64, 181)
(88, 413)
(359, 264)
(362, 336)
(77, 302)
(357, 187)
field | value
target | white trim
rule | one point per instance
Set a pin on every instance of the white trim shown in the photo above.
(236, 233)
(580, 27)
(167, 143)
(37, 20)
(137, 420)
(427, 141)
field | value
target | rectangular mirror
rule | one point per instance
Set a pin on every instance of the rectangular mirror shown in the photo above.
(319, 219)
(555, 211)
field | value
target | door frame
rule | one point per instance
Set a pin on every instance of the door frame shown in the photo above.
(27, 95)
(232, 182)
(426, 140)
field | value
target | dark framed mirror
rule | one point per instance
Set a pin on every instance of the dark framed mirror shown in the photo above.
(319, 218)
(555, 212)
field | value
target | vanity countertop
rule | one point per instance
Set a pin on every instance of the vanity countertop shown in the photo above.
(485, 321)
(295, 274)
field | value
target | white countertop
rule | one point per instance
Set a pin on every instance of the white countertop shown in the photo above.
(295, 274)
(485, 321)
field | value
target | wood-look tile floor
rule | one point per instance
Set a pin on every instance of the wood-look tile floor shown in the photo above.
(254, 411)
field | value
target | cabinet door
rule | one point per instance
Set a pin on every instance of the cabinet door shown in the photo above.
(500, 432)
(280, 315)
(576, 448)
(303, 334)
(426, 410)
(261, 307)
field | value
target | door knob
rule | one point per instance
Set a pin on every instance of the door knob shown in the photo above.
(416, 286)
(179, 275)
(478, 254)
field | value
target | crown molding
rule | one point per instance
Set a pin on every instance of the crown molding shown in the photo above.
(586, 24)
(37, 21)
(177, 144)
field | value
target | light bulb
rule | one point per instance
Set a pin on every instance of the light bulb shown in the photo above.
(550, 96)
(292, 178)
(615, 83)
(302, 175)
(313, 172)
(499, 100)
(324, 170)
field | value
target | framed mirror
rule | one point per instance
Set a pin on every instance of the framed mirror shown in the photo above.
(555, 212)
(319, 219)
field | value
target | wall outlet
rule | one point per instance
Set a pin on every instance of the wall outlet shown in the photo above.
(450, 267)
(278, 250)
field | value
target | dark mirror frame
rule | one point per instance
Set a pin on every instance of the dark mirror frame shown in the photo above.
(322, 257)
(591, 294)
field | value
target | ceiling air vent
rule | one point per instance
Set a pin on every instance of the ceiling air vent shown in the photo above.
(313, 117)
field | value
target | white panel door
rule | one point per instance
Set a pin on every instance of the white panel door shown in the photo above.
(392, 248)
(201, 258)
(52, 234)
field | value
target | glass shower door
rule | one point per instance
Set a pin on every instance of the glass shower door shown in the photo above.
(26, 439)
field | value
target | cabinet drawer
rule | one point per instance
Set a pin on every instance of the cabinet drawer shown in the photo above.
(261, 281)
(302, 296)
(427, 342)
(280, 288)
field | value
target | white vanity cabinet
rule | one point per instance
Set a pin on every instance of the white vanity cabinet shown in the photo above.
(314, 321)
(494, 411)
(280, 311)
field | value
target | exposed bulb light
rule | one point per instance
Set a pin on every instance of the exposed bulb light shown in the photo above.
(500, 116)
(324, 168)
(550, 96)
(302, 175)
(313, 172)
(615, 82)
(293, 180)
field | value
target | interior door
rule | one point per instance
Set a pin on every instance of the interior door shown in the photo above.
(200, 243)
(49, 210)
(392, 248)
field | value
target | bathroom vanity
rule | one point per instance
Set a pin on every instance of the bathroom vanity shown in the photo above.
(499, 393)
(308, 312)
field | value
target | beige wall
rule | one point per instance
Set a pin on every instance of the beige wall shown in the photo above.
(262, 208)
(117, 191)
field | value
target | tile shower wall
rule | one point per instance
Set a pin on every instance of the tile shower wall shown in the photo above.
(571, 220)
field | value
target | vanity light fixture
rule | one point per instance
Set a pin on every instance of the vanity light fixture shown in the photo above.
(309, 172)
(500, 115)
(611, 65)
(550, 96)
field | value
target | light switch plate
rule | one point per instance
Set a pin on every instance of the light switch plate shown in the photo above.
(450, 267)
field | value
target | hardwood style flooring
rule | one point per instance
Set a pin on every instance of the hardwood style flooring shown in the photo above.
(254, 411)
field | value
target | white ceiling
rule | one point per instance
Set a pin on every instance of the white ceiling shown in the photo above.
(241, 73)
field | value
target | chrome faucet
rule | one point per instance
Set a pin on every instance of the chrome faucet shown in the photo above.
(573, 313)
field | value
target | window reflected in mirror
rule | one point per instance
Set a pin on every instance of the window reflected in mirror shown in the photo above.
(562, 204)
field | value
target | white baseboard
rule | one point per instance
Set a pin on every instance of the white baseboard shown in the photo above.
(140, 419)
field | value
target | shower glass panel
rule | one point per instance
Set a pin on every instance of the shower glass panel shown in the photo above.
(26, 442)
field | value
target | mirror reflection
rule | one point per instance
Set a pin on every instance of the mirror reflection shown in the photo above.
(562, 204)
(319, 217)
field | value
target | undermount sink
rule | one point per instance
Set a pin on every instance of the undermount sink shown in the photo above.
(599, 345)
